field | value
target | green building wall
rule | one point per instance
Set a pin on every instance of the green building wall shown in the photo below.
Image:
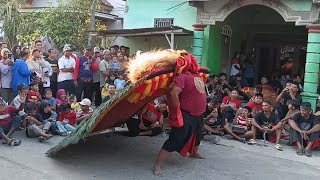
(141, 14)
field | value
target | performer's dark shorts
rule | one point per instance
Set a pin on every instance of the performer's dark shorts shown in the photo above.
(133, 127)
(179, 137)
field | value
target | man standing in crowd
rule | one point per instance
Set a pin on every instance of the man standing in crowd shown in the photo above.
(20, 72)
(96, 79)
(192, 108)
(83, 74)
(66, 66)
(52, 59)
(2, 45)
(304, 127)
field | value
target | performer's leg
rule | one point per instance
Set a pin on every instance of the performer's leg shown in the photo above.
(196, 154)
(162, 157)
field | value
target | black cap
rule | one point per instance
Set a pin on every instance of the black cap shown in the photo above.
(21, 86)
(306, 106)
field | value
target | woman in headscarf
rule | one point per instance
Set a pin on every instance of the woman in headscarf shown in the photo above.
(61, 98)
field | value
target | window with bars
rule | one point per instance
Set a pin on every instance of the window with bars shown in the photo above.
(163, 22)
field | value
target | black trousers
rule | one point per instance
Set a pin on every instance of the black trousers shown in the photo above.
(67, 85)
(86, 88)
(97, 93)
(54, 88)
(133, 127)
(180, 136)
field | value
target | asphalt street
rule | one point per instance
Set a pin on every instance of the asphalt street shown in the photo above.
(118, 157)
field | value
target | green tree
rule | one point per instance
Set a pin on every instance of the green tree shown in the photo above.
(10, 18)
(65, 24)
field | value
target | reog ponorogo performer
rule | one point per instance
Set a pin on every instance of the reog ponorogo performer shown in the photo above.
(187, 103)
(154, 74)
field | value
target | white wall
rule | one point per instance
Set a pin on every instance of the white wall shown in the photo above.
(45, 3)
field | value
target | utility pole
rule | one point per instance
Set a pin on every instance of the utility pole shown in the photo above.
(92, 21)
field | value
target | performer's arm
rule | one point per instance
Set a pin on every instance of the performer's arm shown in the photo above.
(175, 96)
(161, 121)
(144, 110)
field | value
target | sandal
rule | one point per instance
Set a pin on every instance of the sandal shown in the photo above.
(278, 147)
(308, 153)
(300, 151)
(42, 139)
(243, 140)
(17, 142)
(252, 142)
(4, 142)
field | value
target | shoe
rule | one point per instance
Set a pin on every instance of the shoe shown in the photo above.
(278, 147)
(252, 142)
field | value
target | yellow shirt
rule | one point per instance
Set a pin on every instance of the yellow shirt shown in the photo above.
(75, 106)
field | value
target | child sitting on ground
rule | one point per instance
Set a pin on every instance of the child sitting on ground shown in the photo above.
(34, 95)
(61, 98)
(239, 128)
(47, 94)
(85, 111)
(120, 83)
(75, 106)
(35, 125)
(67, 117)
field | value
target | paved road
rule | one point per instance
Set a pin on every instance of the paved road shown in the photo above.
(120, 158)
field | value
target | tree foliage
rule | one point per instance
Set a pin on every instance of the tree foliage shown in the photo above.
(65, 24)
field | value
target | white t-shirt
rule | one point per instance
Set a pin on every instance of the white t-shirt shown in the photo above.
(65, 62)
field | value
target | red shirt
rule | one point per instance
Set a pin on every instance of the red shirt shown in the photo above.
(70, 116)
(8, 111)
(255, 107)
(193, 97)
(152, 115)
(34, 95)
(228, 100)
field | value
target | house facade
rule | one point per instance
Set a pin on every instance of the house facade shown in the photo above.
(273, 31)
(159, 13)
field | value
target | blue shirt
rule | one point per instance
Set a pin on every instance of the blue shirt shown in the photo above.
(51, 102)
(20, 74)
(119, 83)
(115, 65)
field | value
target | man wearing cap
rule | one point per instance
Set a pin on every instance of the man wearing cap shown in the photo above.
(96, 79)
(85, 111)
(20, 72)
(66, 66)
(6, 76)
(83, 74)
(264, 121)
(8, 122)
(305, 126)
(104, 67)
